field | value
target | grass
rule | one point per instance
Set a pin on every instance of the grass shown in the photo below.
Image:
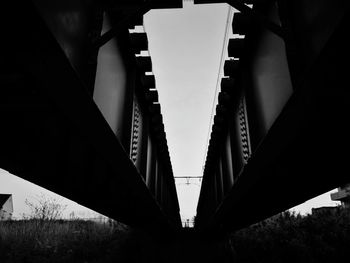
(289, 237)
(68, 241)
(59, 241)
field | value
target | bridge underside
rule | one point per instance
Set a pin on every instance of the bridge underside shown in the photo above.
(304, 152)
(262, 159)
(52, 131)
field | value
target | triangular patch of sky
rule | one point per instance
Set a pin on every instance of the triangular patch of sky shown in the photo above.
(186, 45)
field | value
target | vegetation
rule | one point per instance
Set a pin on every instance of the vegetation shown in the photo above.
(52, 241)
(45, 208)
(43, 236)
(68, 241)
(323, 236)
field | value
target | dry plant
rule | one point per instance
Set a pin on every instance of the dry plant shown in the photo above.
(45, 208)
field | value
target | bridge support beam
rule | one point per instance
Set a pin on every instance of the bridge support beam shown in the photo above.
(257, 17)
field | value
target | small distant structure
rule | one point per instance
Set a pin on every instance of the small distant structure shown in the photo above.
(343, 195)
(6, 207)
(188, 223)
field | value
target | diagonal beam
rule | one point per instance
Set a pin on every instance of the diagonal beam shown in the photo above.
(255, 15)
(298, 158)
(120, 27)
(115, 189)
(141, 9)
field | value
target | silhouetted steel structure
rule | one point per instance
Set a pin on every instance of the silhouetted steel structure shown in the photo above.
(280, 128)
(80, 115)
(343, 195)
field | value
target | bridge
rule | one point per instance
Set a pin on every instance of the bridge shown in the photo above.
(80, 113)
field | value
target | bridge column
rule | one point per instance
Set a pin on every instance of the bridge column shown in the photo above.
(162, 190)
(227, 164)
(214, 191)
(158, 181)
(219, 181)
(151, 165)
(236, 147)
(139, 138)
(113, 91)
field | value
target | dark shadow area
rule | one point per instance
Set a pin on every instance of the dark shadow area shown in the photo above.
(86, 241)
(323, 236)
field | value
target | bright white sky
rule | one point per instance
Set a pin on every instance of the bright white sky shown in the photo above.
(185, 45)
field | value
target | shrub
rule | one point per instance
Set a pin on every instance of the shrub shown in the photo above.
(290, 237)
(45, 208)
(57, 240)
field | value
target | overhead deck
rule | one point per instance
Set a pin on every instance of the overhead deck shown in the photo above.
(81, 117)
(280, 127)
(84, 120)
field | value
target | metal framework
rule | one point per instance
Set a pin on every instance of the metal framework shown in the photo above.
(271, 146)
(278, 135)
(58, 127)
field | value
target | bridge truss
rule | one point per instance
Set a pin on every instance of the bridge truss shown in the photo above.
(80, 114)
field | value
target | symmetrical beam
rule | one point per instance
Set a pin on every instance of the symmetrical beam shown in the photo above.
(293, 154)
(255, 16)
(69, 147)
